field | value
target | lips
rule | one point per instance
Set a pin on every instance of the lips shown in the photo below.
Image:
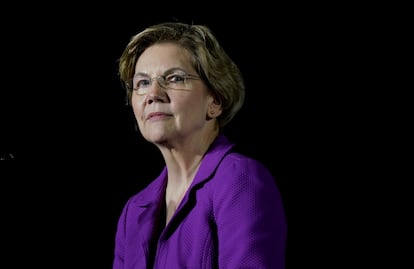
(157, 115)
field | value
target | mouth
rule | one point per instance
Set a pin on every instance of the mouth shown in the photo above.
(157, 115)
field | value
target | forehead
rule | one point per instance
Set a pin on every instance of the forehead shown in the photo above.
(162, 56)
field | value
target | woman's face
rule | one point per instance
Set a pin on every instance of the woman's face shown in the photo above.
(163, 113)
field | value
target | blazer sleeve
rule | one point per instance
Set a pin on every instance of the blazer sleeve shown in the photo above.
(119, 252)
(249, 214)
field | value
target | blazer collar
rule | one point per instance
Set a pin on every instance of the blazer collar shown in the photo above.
(154, 192)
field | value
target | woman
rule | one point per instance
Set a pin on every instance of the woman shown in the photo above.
(210, 207)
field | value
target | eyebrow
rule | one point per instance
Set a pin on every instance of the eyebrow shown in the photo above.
(168, 71)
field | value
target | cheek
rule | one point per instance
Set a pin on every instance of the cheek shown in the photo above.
(190, 107)
(196, 112)
(137, 108)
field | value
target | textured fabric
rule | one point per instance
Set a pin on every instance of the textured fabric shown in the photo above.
(231, 217)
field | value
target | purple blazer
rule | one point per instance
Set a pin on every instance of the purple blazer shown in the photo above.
(231, 217)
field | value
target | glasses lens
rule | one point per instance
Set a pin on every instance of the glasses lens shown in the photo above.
(174, 81)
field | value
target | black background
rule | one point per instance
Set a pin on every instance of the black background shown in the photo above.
(77, 156)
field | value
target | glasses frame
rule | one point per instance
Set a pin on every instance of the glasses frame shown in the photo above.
(162, 81)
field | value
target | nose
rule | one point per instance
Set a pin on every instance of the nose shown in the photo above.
(156, 92)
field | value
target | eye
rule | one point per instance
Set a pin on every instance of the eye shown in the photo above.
(175, 78)
(142, 82)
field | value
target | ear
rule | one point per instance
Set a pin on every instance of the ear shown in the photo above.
(214, 109)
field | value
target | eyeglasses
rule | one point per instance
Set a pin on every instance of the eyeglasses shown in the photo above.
(140, 84)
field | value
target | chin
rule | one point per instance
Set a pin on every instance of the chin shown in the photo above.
(156, 138)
